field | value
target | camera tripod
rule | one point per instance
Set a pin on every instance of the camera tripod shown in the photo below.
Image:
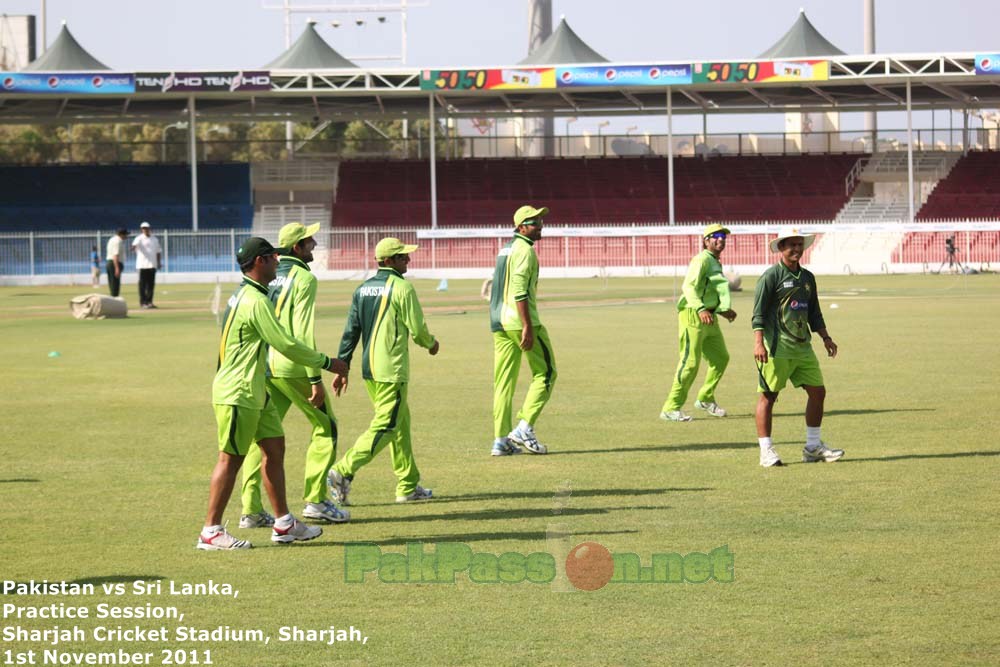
(951, 259)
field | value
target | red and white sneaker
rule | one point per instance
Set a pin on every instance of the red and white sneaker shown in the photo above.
(297, 532)
(221, 541)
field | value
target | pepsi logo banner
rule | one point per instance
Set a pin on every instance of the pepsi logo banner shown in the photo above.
(75, 83)
(630, 75)
(988, 63)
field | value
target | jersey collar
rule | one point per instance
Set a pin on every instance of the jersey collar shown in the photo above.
(523, 238)
(389, 269)
(292, 259)
(254, 284)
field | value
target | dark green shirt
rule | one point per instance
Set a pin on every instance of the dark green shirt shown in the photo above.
(785, 308)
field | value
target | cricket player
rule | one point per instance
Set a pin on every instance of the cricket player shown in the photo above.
(293, 293)
(704, 298)
(384, 314)
(517, 330)
(243, 411)
(785, 308)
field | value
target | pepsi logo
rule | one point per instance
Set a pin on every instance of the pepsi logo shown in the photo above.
(53, 81)
(654, 72)
(8, 83)
(986, 64)
(567, 76)
(97, 81)
(611, 74)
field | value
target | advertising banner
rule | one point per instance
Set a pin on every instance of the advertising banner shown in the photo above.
(763, 71)
(988, 63)
(510, 78)
(630, 75)
(76, 83)
(201, 82)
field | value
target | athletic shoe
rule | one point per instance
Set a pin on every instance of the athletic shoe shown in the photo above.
(503, 447)
(221, 541)
(711, 408)
(297, 532)
(259, 520)
(326, 511)
(526, 438)
(339, 486)
(769, 458)
(419, 493)
(822, 453)
(675, 416)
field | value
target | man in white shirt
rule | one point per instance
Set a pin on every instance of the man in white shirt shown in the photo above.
(147, 260)
(115, 256)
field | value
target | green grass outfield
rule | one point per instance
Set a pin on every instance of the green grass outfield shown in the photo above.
(883, 558)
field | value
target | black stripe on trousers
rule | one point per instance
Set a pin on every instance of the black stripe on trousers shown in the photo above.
(547, 356)
(392, 421)
(232, 432)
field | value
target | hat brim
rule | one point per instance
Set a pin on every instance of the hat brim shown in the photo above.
(807, 240)
(538, 213)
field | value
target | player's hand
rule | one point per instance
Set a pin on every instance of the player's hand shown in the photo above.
(760, 353)
(434, 348)
(831, 347)
(706, 317)
(318, 395)
(527, 339)
(729, 315)
(339, 384)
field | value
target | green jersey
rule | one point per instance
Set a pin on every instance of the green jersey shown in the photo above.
(249, 326)
(705, 286)
(785, 308)
(293, 293)
(514, 279)
(384, 313)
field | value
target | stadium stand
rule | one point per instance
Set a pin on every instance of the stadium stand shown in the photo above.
(80, 197)
(476, 192)
(970, 191)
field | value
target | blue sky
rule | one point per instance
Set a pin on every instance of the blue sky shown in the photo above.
(131, 35)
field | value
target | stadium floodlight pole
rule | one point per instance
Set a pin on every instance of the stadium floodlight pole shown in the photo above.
(44, 32)
(193, 153)
(909, 147)
(433, 155)
(670, 157)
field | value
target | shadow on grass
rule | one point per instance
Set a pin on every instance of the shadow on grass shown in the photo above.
(117, 579)
(917, 457)
(865, 411)
(505, 514)
(560, 492)
(20, 480)
(521, 536)
(699, 447)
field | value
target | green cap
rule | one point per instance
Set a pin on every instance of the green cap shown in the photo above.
(294, 232)
(390, 247)
(253, 248)
(526, 213)
(714, 229)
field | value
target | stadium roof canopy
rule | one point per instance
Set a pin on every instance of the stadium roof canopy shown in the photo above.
(66, 55)
(310, 51)
(801, 40)
(563, 47)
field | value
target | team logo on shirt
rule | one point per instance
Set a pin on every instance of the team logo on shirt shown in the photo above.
(795, 304)
(788, 284)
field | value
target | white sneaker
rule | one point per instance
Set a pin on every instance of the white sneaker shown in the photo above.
(221, 541)
(339, 486)
(711, 408)
(259, 520)
(326, 511)
(503, 447)
(675, 416)
(769, 458)
(823, 453)
(297, 532)
(526, 438)
(419, 493)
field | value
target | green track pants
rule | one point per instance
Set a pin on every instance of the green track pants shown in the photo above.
(506, 366)
(697, 340)
(320, 455)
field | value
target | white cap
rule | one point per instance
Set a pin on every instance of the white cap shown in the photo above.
(144, 225)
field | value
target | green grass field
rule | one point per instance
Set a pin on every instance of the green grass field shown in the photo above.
(882, 558)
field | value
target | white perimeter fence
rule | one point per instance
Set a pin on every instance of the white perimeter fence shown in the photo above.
(622, 250)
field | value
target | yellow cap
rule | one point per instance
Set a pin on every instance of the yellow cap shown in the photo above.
(526, 213)
(390, 247)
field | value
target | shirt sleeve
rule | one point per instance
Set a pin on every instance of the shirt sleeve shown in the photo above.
(816, 321)
(352, 331)
(761, 301)
(694, 277)
(305, 316)
(271, 333)
(520, 275)
(413, 317)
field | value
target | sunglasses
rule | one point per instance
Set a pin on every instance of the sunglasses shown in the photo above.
(537, 222)
(716, 235)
